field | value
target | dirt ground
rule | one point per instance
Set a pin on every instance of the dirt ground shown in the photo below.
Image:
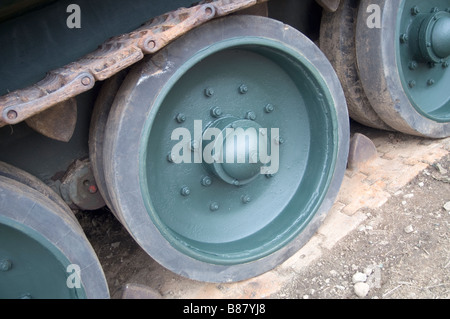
(401, 251)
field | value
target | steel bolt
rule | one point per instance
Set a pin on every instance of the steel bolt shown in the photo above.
(445, 64)
(404, 38)
(180, 118)
(434, 10)
(216, 112)
(170, 157)
(269, 175)
(243, 89)
(279, 140)
(12, 115)
(25, 296)
(246, 199)
(206, 181)
(269, 108)
(412, 65)
(194, 145)
(209, 92)
(86, 81)
(415, 10)
(185, 191)
(5, 264)
(250, 116)
(430, 82)
(412, 84)
(236, 182)
(213, 206)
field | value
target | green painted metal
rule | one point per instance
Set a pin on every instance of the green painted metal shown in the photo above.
(30, 266)
(203, 210)
(423, 50)
(40, 40)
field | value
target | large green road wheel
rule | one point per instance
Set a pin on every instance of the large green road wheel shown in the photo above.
(403, 49)
(44, 253)
(221, 221)
(337, 41)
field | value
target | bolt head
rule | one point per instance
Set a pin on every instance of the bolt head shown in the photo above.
(404, 38)
(12, 115)
(180, 118)
(194, 145)
(206, 181)
(85, 81)
(214, 206)
(185, 191)
(269, 108)
(243, 89)
(246, 199)
(445, 64)
(250, 116)
(5, 264)
(412, 65)
(430, 82)
(209, 92)
(415, 10)
(216, 112)
(279, 140)
(412, 83)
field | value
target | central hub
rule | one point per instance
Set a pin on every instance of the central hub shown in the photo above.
(430, 36)
(234, 147)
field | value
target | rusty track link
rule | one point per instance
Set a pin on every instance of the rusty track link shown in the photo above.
(111, 57)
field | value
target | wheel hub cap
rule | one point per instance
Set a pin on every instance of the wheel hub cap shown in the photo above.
(423, 53)
(236, 159)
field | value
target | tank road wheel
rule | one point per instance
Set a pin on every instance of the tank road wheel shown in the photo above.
(201, 194)
(44, 253)
(403, 65)
(337, 41)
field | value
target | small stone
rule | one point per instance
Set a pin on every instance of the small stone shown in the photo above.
(421, 184)
(408, 196)
(447, 206)
(361, 289)
(359, 277)
(408, 229)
